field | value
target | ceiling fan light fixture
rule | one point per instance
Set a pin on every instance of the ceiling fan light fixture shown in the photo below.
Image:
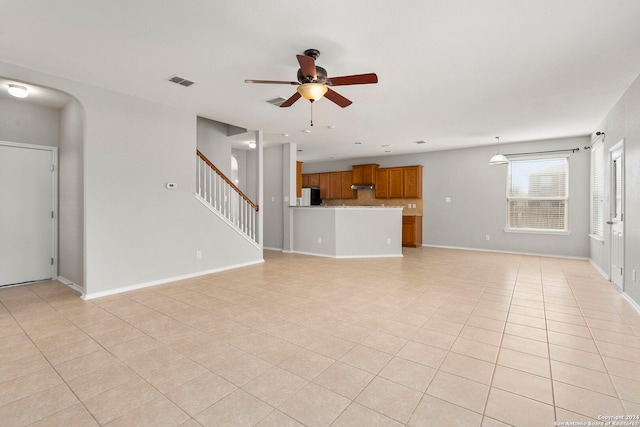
(18, 91)
(312, 91)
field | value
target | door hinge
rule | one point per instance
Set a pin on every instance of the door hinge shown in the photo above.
(53, 167)
(52, 214)
(51, 261)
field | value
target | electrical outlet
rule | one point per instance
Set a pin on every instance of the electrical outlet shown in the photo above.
(388, 241)
(487, 237)
(198, 254)
(319, 240)
(447, 199)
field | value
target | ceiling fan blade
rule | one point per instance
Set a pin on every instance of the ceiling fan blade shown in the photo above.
(308, 66)
(289, 102)
(272, 82)
(356, 79)
(334, 96)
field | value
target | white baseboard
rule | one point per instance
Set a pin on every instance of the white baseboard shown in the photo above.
(70, 284)
(631, 301)
(508, 252)
(89, 296)
(346, 256)
(599, 270)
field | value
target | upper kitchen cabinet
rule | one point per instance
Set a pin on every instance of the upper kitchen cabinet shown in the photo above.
(400, 182)
(311, 180)
(346, 178)
(336, 185)
(364, 174)
(412, 182)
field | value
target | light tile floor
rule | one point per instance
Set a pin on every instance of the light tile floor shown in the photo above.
(439, 337)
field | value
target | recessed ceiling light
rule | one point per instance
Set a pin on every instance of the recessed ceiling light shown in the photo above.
(358, 143)
(331, 127)
(306, 131)
(300, 150)
(387, 151)
(421, 142)
(18, 91)
(285, 135)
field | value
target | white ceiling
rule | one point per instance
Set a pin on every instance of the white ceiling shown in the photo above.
(454, 73)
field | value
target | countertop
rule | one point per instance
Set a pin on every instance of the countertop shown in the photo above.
(348, 207)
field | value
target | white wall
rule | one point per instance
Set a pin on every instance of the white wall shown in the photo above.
(273, 198)
(21, 121)
(212, 141)
(478, 192)
(136, 231)
(623, 122)
(71, 194)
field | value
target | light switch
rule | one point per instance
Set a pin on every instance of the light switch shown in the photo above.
(447, 199)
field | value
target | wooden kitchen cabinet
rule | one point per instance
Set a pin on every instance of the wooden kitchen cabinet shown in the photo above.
(336, 185)
(364, 174)
(382, 183)
(311, 180)
(389, 183)
(298, 179)
(412, 182)
(412, 231)
(346, 192)
(325, 185)
(396, 183)
(400, 182)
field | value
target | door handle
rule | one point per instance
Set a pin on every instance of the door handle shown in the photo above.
(609, 222)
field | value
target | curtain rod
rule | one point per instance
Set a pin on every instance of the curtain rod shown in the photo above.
(568, 150)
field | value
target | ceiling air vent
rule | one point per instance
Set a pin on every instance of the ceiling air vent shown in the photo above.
(181, 81)
(276, 101)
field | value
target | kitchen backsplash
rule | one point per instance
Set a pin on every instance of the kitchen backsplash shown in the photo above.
(368, 198)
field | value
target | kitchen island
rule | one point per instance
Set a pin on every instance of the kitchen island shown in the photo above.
(348, 231)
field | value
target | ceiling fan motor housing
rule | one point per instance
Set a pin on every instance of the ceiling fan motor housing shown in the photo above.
(320, 72)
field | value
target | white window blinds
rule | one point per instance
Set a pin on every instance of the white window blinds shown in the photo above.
(597, 189)
(538, 194)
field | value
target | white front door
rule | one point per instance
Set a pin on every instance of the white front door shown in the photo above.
(27, 232)
(617, 215)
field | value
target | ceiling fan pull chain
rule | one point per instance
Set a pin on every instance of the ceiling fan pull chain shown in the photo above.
(312, 112)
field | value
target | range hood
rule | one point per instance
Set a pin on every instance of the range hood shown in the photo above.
(363, 186)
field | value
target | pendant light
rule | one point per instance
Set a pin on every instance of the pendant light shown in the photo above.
(498, 159)
(18, 91)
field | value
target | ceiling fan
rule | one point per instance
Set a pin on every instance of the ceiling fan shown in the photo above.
(313, 82)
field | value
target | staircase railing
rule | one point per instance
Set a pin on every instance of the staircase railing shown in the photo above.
(225, 198)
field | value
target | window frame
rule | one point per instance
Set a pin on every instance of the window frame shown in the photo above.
(596, 219)
(508, 228)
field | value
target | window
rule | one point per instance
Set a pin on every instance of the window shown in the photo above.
(597, 189)
(538, 194)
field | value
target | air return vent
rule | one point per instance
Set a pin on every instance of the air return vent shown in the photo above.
(276, 101)
(181, 81)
